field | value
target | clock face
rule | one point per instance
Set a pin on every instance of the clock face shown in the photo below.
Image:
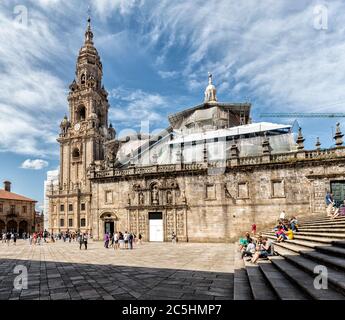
(77, 127)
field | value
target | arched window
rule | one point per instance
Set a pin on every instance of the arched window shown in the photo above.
(81, 113)
(76, 153)
(82, 79)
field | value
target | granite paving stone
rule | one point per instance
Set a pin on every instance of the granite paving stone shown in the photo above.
(154, 271)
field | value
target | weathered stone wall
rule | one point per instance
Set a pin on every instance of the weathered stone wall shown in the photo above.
(219, 207)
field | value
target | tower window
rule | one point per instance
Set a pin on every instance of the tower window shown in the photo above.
(76, 153)
(82, 79)
(81, 113)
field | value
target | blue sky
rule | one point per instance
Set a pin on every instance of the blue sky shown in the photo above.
(156, 55)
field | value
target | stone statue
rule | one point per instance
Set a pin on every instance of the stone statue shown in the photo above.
(155, 195)
(169, 197)
(141, 198)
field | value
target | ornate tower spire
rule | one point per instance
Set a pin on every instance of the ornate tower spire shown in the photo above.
(210, 91)
(89, 33)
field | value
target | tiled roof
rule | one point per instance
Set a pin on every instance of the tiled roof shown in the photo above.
(5, 195)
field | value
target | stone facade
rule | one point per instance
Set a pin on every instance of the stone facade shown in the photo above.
(219, 206)
(207, 177)
(17, 213)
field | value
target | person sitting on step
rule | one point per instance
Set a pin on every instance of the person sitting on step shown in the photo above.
(245, 241)
(281, 234)
(339, 211)
(263, 250)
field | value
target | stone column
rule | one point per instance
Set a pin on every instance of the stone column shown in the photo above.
(266, 149)
(234, 153)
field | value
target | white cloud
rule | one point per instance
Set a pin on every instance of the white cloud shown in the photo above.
(132, 106)
(270, 48)
(36, 164)
(167, 74)
(104, 8)
(32, 94)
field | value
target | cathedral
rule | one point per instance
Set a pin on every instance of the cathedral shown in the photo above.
(207, 177)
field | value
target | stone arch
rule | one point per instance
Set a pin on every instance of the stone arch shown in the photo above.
(83, 79)
(81, 113)
(108, 215)
(23, 227)
(76, 152)
(12, 226)
(108, 221)
(2, 226)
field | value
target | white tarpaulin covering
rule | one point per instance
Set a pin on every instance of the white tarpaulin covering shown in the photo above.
(234, 131)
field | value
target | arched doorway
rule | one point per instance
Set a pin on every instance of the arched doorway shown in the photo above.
(109, 222)
(23, 227)
(2, 226)
(11, 226)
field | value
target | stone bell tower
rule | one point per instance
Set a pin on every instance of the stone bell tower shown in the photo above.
(82, 138)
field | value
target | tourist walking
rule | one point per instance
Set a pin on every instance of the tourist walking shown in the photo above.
(125, 238)
(116, 241)
(121, 240)
(330, 210)
(140, 237)
(282, 216)
(130, 240)
(8, 238)
(173, 238)
(254, 229)
(83, 241)
(106, 240)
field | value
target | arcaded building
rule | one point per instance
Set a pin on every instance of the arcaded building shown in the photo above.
(211, 174)
(17, 212)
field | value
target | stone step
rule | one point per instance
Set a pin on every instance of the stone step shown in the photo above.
(321, 219)
(282, 286)
(322, 258)
(326, 248)
(332, 222)
(261, 289)
(322, 229)
(305, 238)
(321, 234)
(339, 244)
(304, 280)
(335, 277)
(242, 289)
(312, 240)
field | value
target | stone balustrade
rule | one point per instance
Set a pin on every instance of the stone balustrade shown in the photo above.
(304, 155)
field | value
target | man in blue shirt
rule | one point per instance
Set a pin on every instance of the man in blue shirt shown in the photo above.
(329, 203)
(328, 198)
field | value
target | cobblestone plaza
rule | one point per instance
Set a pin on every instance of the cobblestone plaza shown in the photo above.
(149, 271)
